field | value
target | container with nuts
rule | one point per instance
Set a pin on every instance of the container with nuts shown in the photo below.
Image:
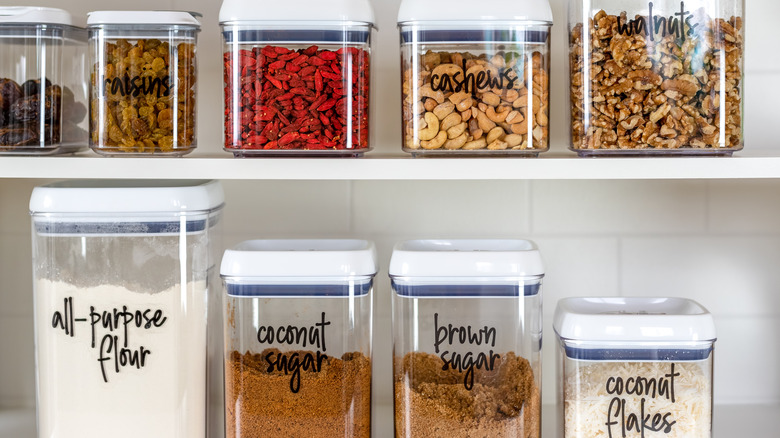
(297, 79)
(475, 77)
(656, 77)
(143, 82)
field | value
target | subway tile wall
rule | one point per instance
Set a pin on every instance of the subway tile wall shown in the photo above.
(715, 241)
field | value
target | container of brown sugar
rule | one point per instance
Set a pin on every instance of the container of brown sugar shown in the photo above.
(143, 82)
(298, 338)
(475, 77)
(467, 332)
(656, 77)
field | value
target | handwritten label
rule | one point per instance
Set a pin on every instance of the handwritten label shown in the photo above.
(465, 335)
(139, 85)
(292, 363)
(110, 333)
(474, 81)
(680, 24)
(620, 422)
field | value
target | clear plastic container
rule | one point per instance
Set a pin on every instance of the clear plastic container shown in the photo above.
(656, 78)
(297, 77)
(122, 276)
(42, 46)
(144, 82)
(298, 338)
(475, 77)
(634, 367)
(467, 338)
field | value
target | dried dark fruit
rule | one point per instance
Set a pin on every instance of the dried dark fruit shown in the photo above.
(18, 136)
(33, 86)
(10, 92)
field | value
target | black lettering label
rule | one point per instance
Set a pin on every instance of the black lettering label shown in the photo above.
(139, 85)
(680, 24)
(476, 81)
(111, 334)
(465, 363)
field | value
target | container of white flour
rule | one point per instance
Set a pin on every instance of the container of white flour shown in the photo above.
(123, 273)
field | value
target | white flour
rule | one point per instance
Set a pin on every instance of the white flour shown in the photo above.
(165, 397)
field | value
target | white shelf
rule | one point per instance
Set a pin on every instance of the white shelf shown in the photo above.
(730, 421)
(560, 166)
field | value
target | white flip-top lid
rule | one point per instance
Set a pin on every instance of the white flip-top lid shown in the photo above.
(435, 11)
(633, 319)
(300, 258)
(466, 258)
(35, 15)
(300, 11)
(173, 18)
(127, 196)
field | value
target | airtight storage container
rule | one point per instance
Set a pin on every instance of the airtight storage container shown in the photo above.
(475, 77)
(634, 367)
(43, 90)
(122, 276)
(297, 77)
(144, 76)
(298, 338)
(467, 337)
(656, 77)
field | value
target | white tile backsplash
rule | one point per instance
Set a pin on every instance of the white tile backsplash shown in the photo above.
(17, 365)
(624, 207)
(744, 207)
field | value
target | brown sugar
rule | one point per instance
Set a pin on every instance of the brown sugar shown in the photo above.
(431, 402)
(333, 402)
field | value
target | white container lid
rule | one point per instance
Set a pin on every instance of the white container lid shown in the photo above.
(131, 196)
(35, 15)
(633, 320)
(457, 11)
(299, 12)
(300, 258)
(173, 18)
(466, 258)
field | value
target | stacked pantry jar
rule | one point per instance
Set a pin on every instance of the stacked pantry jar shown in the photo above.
(656, 77)
(297, 80)
(123, 271)
(475, 76)
(43, 93)
(467, 338)
(143, 82)
(298, 338)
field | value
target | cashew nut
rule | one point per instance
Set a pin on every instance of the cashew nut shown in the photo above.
(457, 130)
(465, 115)
(429, 104)
(514, 117)
(444, 109)
(436, 143)
(485, 124)
(495, 117)
(491, 99)
(456, 143)
(476, 144)
(520, 128)
(451, 120)
(459, 97)
(497, 145)
(448, 69)
(430, 131)
(411, 143)
(513, 140)
(427, 91)
(495, 134)
(465, 104)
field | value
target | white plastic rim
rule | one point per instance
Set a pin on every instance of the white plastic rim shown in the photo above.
(297, 12)
(35, 15)
(466, 258)
(277, 259)
(173, 18)
(600, 322)
(126, 197)
(439, 11)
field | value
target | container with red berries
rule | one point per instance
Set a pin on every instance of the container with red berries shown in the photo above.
(297, 81)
